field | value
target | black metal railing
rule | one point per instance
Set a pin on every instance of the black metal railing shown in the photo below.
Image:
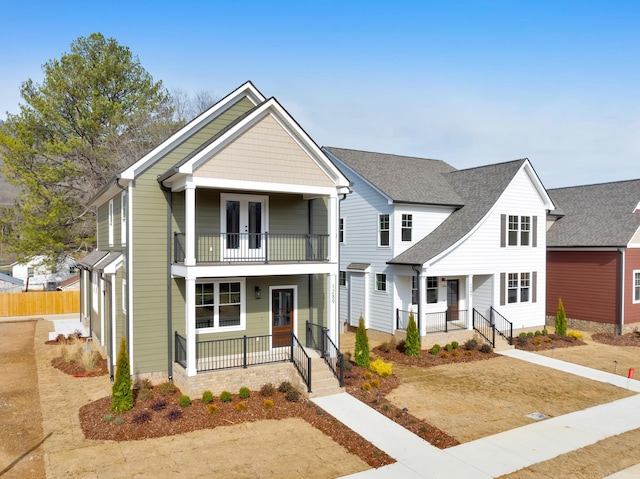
(502, 325)
(181, 350)
(484, 327)
(301, 360)
(318, 339)
(254, 247)
(440, 322)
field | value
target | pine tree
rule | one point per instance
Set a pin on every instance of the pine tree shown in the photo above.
(122, 393)
(413, 338)
(561, 320)
(362, 345)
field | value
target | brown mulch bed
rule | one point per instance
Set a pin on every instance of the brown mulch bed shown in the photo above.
(629, 339)
(74, 368)
(144, 421)
(546, 342)
(459, 355)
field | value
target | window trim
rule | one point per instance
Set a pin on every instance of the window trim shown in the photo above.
(433, 280)
(406, 226)
(381, 230)
(341, 230)
(124, 295)
(636, 286)
(123, 218)
(380, 285)
(525, 285)
(110, 220)
(415, 288)
(216, 303)
(342, 278)
(513, 285)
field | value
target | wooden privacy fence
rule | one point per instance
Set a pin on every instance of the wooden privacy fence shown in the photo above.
(39, 303)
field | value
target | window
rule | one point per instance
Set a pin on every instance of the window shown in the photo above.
(525, 230)
(513, 230)
(110, 222)
(343, 278)
(124, 296)
(30, 272)
(432, 289)
(341, 230)
(383, 230)
(407, 221)
(525, 283)
(414, 290)
(512, 296)
(123, 218)
(518, 230)
(636, 286)
(381, 282)
(219, 305)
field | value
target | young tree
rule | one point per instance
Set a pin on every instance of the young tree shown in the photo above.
(121, 392)
(561, 319)
(362, 345)
(413, 338)
(95, 112)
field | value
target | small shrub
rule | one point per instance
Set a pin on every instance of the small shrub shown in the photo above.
(548, 340)
(121, 391)
(267, 390)
(375, 383)
(434, 350)
(70, 350)
(445, 355)
(537, 333)
(226, 396)
(367, 375)
(545, 332)
(145, 394)
(455, 344)
(448, 347)
(402, 346)
(87, 359)
(241, 406)
(366, 386)
(166, 388)
(292, 395)
(575, 335)
(207, 397)
(469, 352)
(388, 346)
(118, 421)
(413, 338)
(382, 369)
(347, 365)
(174, 414)
(213, 409)
(267, 404)
(471, 344)
(455, 353)
(159, 405)
(185, 401)
(561, 320)
(143, 383)
(529, 334)
(285, 386)
(486, 348)
(362, 345)
(522, 335)
(244, 392)
(141, 417)
(107, 418)
(537, 341)
(522, 340)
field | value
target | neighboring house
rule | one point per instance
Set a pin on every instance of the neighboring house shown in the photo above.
(72, 283)
(9, 284)
(38, 274)
(593, 256)
(456, 247)
(218, 249)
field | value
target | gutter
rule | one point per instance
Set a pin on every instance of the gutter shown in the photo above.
(621, 296)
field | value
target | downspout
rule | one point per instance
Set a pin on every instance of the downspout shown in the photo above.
(126, 269)
(344, 197)
(112, 325)
(621, 296)
(169, 198)
(310, 277)
(417, 271)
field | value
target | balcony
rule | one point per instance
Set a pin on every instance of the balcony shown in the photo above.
(225, 248)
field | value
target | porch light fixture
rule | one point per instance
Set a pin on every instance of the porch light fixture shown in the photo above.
(443, 281)
(258, 292)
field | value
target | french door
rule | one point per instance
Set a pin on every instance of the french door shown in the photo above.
(243, 224)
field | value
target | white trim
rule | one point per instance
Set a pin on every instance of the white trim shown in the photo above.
(379, 230)
(636, 272)
(295, 307)
(124, 295)
(216, 293)
(375, 283)
(110, 220)
(123, 218)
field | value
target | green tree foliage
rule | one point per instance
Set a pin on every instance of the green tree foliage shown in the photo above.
(561, 319)
(95, 112)
(413, 338)
(362, 345)
(122, 392)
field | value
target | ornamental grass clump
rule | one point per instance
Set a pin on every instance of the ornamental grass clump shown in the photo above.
(267, 390)
(241, 406)
(362, 345)
(122, 392)
(413, 338)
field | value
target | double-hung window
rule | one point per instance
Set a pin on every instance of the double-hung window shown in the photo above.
(341, 230)
(525, 284)
(519, 230)
(383, 230)
(407, 223)
(525, 230)
(636, 286)
(513, 230)
(381, 282)
(219, 305)
(432, 289)
(110, 219)
(414, 290)
(512, 294)
(343, 278)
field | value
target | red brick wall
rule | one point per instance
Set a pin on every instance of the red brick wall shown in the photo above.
(587, 283)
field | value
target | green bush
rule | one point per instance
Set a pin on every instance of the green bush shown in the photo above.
(522, 335)
(244, 393)
(448, 347)
(207, 397)
(362, 345)
(413, 338)
(185, 401)
(435, 349)
(545, 332)
(226, 396)
(537, 333)
(455, 344)
(529, 334)
(561, 320)
(122, 393)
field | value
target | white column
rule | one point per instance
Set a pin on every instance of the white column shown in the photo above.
(190, 225)
(332, 218)
(470, 301)
(423, 302)
(332, 308)
(190, 326)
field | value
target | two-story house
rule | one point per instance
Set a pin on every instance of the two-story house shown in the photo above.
(456, 247)
(218, 250)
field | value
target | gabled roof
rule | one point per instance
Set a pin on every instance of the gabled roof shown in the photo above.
(10, 279)
(479, 188)
(92, 259)
(600, 215)
(402, 179)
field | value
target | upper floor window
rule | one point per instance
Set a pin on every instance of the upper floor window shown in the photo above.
(525, 230)
(383, 230)
(636, 286)
(432, 289)
(341, 230)
(110, 222)
(381, 282)
(343, 278)
(518, 230)
(407, 222)
(513, 230)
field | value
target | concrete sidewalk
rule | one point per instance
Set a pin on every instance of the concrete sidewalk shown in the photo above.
(499, 454)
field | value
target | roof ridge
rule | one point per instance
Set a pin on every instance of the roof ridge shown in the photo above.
(385, 154)
(594, 184)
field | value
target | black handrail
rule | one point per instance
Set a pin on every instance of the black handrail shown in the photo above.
(301, 360)
(318, 338)
(484, 327)
(503, 326)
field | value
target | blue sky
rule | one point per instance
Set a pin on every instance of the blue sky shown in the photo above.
(468, 82)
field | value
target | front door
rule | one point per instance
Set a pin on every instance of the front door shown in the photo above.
(243, 225)
(452, 300)
(281, 317)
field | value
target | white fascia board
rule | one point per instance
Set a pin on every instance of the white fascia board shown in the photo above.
(261, 269)
(539, 187)
(248, 90)
(263, 186)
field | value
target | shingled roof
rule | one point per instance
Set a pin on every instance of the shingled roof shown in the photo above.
(601, 215)
(404, 179)
(479, 188)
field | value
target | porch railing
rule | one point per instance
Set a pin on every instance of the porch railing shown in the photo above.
(484, 327)
(181, 350)
(254, 247)
(318, 338)
(502, 325)
(440, 322)
(301, 360)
